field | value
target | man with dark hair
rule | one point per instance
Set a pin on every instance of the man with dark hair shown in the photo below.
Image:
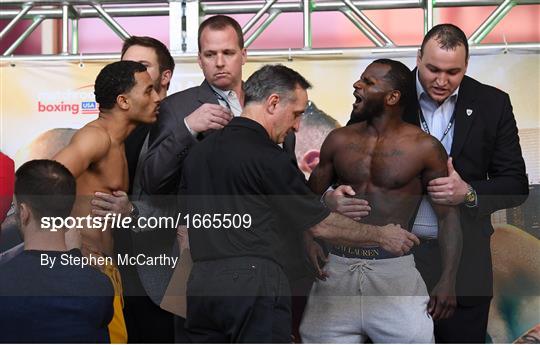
(143, 286)
(155, 56)
(96, 156)
(371, 293)
(160, 66)
(237, 290)
(475, 124)
(486, 172)
(52, 302)
(46, 187)
(114, 80)
(448, 36)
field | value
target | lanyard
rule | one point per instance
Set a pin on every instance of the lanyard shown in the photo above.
(223, 99)
(426, 128)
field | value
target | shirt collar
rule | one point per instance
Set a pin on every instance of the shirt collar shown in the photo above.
(222, 93)
(420, 89)
(225, 93)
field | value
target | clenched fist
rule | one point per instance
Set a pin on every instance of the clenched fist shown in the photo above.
(208, 116)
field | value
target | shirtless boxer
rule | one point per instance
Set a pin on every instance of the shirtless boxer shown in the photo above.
(96, 157)
(369, 292)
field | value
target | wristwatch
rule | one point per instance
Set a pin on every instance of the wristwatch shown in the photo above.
(470, 198)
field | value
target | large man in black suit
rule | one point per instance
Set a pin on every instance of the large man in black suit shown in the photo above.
(475, 124)
(486, 174)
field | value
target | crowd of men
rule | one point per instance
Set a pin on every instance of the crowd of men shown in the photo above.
(395, 217)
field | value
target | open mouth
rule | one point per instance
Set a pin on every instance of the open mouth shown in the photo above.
(357, 99)
(438, 90)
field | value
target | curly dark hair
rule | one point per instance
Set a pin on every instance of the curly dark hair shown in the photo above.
(400, 78)
(114, 79)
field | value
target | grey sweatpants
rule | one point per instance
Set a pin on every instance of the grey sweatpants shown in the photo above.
(385, 300)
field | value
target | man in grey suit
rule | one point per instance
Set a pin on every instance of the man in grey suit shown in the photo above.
(187, 116)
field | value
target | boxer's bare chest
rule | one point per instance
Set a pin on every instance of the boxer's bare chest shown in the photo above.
(111, 172)
(378, 163)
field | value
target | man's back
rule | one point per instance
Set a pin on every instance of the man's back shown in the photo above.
(255, 181)
(389, 170)
(63, 303)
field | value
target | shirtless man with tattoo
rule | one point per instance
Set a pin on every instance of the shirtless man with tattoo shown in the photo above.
(370, 293)
(96, 157)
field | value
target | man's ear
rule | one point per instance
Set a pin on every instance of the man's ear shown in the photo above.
(271, 103)
(418, 57)
(25, 214)
(166, 76)
(122, 102)
(309, 161)
(244, 55)
(393, 97)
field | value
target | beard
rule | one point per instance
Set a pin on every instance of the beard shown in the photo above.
(369, 109)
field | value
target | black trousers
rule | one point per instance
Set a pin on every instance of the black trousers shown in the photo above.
(146, 322)
(240, 300)
(469, 322)
(467, 325)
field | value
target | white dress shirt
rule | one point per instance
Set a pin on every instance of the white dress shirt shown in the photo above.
(437, 117)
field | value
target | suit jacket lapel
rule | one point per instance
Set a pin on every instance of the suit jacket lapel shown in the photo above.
(411, 110)
(465, 112)
(206, 94)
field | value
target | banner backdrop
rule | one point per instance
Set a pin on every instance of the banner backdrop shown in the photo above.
(36, 97)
